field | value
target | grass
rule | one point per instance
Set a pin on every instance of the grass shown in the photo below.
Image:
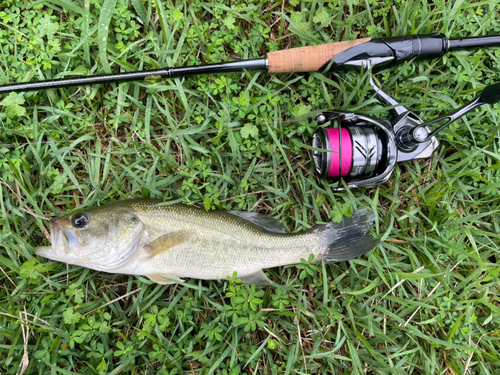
(425, 302)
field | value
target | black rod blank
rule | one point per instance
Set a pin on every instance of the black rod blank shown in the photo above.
(235, 66)
(474, 42)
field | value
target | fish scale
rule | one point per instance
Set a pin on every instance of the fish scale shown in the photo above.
(215, 249)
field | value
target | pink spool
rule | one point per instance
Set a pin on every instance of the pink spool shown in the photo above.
(336, 156)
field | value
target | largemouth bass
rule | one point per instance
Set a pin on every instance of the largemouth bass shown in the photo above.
(168, 243)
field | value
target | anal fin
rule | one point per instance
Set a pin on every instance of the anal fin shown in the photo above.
(257, 278)
(164, 278)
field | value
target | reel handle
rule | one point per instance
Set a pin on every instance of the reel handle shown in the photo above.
(409, 138)
(491, 94)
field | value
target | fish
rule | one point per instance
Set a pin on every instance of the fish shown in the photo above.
(168, 243)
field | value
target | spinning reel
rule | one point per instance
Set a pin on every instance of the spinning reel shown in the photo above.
(364, 150)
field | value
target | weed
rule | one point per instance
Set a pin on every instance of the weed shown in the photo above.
(426, 301)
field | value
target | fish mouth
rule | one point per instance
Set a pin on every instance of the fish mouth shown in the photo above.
(54, 226)
(51, 252)
(48, 251)
(44, 251)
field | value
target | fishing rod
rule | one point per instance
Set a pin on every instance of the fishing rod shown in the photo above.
(323, 58)
(360, 150)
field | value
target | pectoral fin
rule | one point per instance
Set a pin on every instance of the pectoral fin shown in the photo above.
(164, 279)
(169, 240)
(257, 278)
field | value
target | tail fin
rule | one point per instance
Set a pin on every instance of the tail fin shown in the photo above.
(348, 239)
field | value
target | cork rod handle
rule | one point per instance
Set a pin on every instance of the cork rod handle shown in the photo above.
(307, 59)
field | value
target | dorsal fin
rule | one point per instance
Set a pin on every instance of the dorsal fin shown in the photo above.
(266, 223)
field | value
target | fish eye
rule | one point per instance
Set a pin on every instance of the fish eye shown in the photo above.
(80, 220)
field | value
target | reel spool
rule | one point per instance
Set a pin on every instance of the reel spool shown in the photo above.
(363, 150)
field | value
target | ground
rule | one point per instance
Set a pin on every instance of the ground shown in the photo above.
(424, 302)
